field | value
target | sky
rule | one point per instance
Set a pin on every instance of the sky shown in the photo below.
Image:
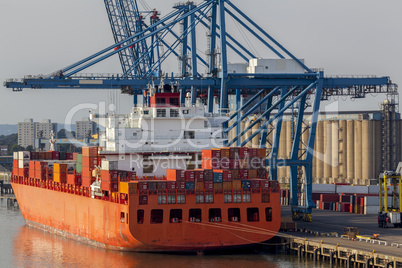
(358, 37)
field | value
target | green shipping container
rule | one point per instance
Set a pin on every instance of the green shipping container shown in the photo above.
(78, 168)
(79, 158)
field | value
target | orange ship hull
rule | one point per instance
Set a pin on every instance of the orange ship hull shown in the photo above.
(113, 225)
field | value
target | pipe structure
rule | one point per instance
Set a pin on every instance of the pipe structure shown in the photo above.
(342, 173)
(358, 150)
(350, 155)
(335, 150)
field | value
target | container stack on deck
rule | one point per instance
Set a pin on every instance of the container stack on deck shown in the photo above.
(234, 172)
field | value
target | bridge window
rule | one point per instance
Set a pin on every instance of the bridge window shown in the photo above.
(215, 215)
(157, 216)
(174, 113)
(176, 215)
(194, 215)
(174, 101)
(160, 112)
(253, 215)
(140, 216)
(268, 214)
(234, 214)
(160, 101)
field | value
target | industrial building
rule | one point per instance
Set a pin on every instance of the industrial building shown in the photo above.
(84, 127)
(29, 130)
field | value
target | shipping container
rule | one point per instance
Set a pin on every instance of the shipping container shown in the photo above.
(143, 200)
(60, 168)
(79, 158)
(161, 185)
(142, 185)
(108, 165)
(171, 185)
(88, 161)
(243, 174)
(208, 185)
(62, 156)
(261, 152)
(128, 187)
(180, 185)
(252, 173)
(225, 163)
(244, 163)
(218, 177)
(208, 175)
(234, 164)
(189, 176)
(199, 175)
(109, 175)
(218, 187)
(199, 186)
(90, 151)
(40, 165)
(211, 154)
(61, 178)
(131, 175)
(227, 185)
(235, 174)
(243, 152)
(86, 181)
(190, 185)
(69, 156)
(175, 175)
(122, 175)
(227, 198)
(226, 174)
(236, 185)
(109, 186)
(74, 179)
(22, 155)
(245, 184)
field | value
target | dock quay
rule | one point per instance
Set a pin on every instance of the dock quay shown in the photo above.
(322, 240)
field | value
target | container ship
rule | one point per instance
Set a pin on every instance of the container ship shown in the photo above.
(142, 190)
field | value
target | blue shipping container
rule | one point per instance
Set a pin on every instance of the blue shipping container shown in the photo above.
(190, 185)
(245, 184)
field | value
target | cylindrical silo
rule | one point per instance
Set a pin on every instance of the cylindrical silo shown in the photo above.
(335, 149)
(358, 150)
(320, 150)
(289, 143)
(282, 151)
(327, 149)
(256, 140)
(350, 154)
(243, 127)
(342, 160)
(377, 142)
(248, 133)
(367, 149)
(304, 139)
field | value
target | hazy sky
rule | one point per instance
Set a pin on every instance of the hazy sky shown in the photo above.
(354, 37)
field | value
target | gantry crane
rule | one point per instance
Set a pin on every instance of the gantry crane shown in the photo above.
(138, 46)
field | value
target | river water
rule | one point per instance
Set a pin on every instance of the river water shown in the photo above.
(22, 246)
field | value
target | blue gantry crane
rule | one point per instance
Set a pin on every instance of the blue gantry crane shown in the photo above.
(143, 48)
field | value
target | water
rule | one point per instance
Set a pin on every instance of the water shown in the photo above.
(22, 246)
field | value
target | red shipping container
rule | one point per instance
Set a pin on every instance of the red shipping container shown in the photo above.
(181, 185)
(87, 172)
(243, 152)
(48, 155)
(225, 163)
(208, 185)
(264, 184)
(243, 174)
(329, 198)
(244, 163)
(255, 184)
(161, 185)
(171, 185)
(252, 152)
(142, 185)
(234, 164)
(208, 175)
(256, 163)
(175, 175)
(31, 173)
(211, 154)
(69, 156)
(143, 199)
(199, 175)
(75, 155)
(15, 163)
(262, 174)
(108, 175)
(55, 155)
(34, 156)
(131, 175)
(190, 176)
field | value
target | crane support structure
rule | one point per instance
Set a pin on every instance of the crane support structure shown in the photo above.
(143, 49)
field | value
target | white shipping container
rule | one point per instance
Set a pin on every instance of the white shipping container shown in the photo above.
(373, 189)
(209, 198)
(23, 163)
(324, 188)
(343, 189)
(395, 217)
(15, 155)
(171, 199)
(23, 155)
(181, 199)
(161, 199)
(371, 210)
(109, 165)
